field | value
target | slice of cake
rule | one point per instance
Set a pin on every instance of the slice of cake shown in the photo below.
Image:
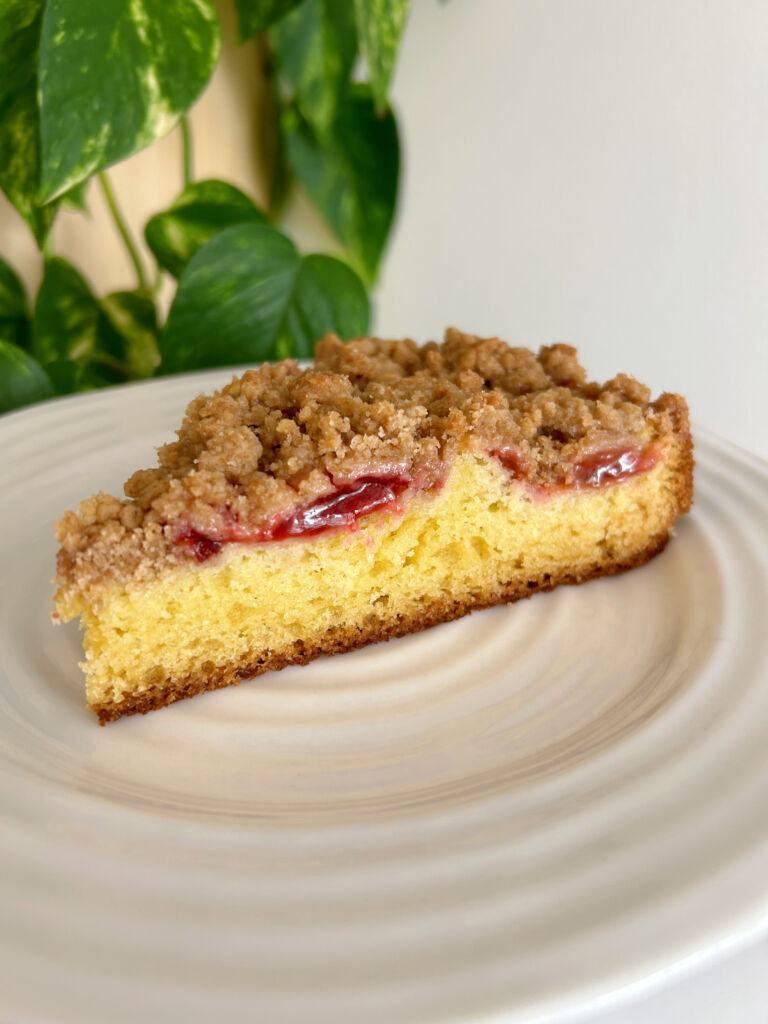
(384, 490)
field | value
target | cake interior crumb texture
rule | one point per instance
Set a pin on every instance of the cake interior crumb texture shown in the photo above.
(488, 446)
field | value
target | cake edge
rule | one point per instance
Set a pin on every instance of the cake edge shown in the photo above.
(341, 639)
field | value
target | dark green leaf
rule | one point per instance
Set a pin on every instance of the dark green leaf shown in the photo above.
(275, 170)
(116, 76)
(64, 375)
(315, 47)
(328, 296)
(351, 177)
(13, 298)
(83, 343)
(128, 332)
(66, 318)
(231, 300)
(248, 296)
(255, 15)
(22, 379)
(14, 321)
(70, 375)
(16, 330)
(20, 22)
(200, 212)
(380, 25)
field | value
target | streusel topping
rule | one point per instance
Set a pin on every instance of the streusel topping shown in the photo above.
(280, 437)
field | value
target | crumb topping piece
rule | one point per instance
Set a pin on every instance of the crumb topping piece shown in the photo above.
(280, 438)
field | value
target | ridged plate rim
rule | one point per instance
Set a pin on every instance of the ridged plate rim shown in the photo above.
(716, 923)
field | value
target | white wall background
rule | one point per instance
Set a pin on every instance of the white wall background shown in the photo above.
(593, 171)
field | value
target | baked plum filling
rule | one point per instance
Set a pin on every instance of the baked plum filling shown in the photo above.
(202, 547)
(601, 468)
(341, 509)
(612, 465)
(358, 498)
(512, 459)
(331, 512)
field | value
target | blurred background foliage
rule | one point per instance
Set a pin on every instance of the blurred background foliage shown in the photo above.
(84, 85)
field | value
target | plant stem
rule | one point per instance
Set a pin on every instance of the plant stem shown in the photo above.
(186, 149)
(156, 284)
(122, 228)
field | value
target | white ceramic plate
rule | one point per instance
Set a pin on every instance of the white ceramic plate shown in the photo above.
(505, 817)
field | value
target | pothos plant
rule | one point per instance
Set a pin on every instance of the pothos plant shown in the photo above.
(87, 83)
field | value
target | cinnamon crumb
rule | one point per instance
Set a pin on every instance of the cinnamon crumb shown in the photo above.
(279, 437)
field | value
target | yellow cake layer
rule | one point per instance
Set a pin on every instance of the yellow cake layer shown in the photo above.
(475, 541)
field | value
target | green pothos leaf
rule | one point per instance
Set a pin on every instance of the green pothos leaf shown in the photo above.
(128, 332)
(113, 77)
(69, 375)
(315, 47)
(202, 210)
(22, 379)
(351, 176)
(20, 23)
(66, 317)
(14, 320)
(248, 296)
(13, 298)
(77, 197)
(67, 332)
(275, 170)
(380, 24)
(328, 296)
(255, 15)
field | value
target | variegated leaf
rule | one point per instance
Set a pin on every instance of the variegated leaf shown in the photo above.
(255, 15)
(66, 315)
(20, 22)
(128, 332)
(315, 47)
(202, 210)
(379, 25)
(77, 197)
(113, 77)
(352, 175)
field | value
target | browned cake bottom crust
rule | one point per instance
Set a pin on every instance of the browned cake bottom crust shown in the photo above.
(347, 638)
